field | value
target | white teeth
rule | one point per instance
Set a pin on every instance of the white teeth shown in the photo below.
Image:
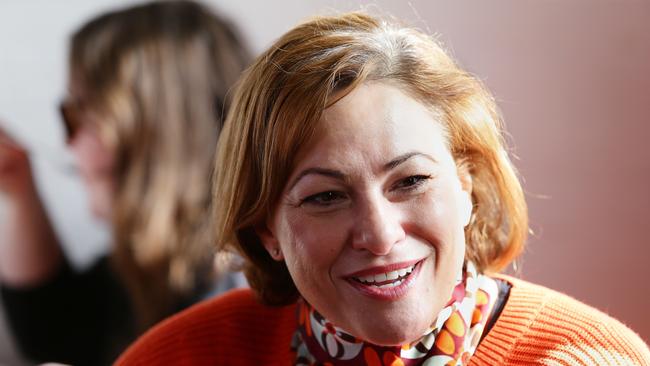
(392, 275)
(389, 276)
(392, 284)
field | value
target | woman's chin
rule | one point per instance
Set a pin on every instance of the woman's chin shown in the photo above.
(100, 215)
(100, 199)
(394, 336)
(100, 209)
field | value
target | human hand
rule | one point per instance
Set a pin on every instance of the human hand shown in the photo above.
(16, 179)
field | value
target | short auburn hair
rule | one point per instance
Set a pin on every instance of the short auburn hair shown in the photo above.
(277, 107)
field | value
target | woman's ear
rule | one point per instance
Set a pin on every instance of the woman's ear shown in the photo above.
(466, 204)
(270, 242)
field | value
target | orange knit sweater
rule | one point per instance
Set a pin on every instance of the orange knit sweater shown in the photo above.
(537, 326)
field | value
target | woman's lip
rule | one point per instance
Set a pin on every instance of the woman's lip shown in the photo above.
(383, 269)
(388, 293)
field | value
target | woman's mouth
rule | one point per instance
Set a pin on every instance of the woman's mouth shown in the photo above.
(388, 279)
(391, 284)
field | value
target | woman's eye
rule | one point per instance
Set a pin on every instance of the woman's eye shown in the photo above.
(411, 182)
(324, 198)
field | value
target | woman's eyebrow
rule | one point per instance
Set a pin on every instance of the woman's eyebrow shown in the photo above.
(320, 171)
(404, 157)
(331, 173)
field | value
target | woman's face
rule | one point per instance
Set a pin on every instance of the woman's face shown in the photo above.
(95, 160)
(96, 165)
(371, 221)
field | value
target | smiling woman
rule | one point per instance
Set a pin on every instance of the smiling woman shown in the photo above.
(381, 194)
(363, 176)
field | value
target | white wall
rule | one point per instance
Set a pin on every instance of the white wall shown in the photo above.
(572, 79)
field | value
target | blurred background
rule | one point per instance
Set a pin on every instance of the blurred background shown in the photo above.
(572, 80)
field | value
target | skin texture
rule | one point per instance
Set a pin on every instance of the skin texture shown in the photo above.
(376, 186)
(15, 171)
(29, 249)
(96, 166)
(94, 157)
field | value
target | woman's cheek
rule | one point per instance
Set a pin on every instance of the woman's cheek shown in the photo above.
(315, 236)
(432, 219)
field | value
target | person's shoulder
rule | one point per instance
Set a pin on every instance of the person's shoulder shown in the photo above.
(539, 325)
(233, 305)
(207, 331)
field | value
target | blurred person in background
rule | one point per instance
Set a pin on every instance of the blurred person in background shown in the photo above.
(147, 95)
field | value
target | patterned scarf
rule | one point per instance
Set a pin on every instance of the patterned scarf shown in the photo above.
(452, 339)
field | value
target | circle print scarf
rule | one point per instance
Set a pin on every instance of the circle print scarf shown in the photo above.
(451, 340)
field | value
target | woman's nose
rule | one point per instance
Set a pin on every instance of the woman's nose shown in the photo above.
(378, 226)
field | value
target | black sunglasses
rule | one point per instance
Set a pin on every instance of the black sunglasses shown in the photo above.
(70, 117)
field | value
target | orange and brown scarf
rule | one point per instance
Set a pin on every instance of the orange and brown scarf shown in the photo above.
(452, 339)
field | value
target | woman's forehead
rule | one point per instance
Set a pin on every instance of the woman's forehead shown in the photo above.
(375, 122)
